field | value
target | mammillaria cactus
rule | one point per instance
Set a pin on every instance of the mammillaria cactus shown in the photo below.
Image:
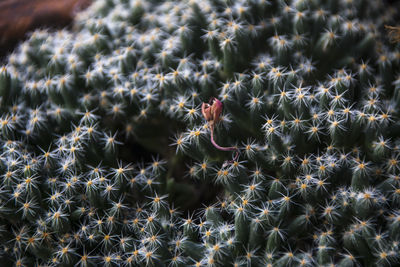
(107, 139)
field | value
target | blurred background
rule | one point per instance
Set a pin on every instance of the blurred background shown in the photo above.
(18, 17)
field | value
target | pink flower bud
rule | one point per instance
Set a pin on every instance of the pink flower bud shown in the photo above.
(212, 112)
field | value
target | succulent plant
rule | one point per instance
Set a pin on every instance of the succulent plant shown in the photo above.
(281, 115)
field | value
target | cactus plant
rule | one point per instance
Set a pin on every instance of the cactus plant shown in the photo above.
(281, 115)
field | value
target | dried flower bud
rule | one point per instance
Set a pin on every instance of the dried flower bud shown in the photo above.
(212, 112)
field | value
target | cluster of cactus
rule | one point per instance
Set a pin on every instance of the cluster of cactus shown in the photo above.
(310, 92)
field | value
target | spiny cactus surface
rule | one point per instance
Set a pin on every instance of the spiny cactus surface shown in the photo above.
(287, 112)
